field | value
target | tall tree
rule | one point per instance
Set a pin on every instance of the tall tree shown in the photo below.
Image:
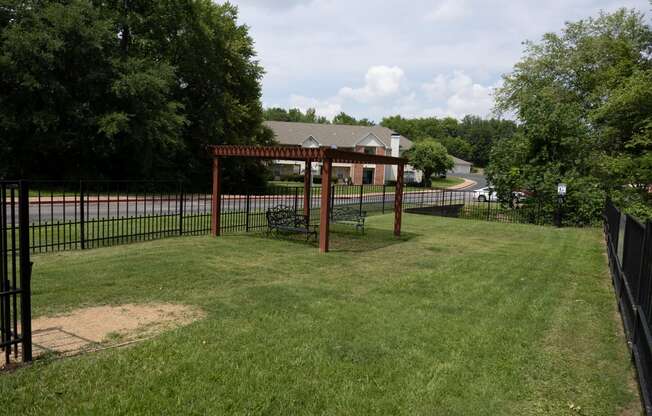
(294, 115)
(577, 95)
(430, 157)
(310, 116)
(77, 100)
(471, 139)
(343, 118)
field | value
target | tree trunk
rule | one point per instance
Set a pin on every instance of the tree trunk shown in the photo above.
(426, 179)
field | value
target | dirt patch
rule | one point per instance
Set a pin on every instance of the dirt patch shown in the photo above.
(103, 326)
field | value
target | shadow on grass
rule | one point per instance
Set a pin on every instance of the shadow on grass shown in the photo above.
(345, 239)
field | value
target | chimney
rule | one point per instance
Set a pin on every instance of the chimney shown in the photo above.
(396, 142)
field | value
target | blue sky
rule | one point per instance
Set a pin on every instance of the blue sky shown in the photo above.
(383, 57)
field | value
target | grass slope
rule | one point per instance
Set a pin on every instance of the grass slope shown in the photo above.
(457, 318)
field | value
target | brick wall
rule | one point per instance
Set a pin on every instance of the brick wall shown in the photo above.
(379, 173)
(357, 168)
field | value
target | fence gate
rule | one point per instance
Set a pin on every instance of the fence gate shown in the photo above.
(15, 272)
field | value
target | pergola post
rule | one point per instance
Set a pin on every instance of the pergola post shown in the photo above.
(324, 209)
(307, 185)
(216, 199)
(398, 200)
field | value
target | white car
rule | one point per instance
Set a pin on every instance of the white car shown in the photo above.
(485, 194)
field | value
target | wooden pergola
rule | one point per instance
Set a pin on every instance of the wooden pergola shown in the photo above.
(327, 156)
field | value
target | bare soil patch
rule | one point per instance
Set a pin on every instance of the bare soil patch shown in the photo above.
(105, 326)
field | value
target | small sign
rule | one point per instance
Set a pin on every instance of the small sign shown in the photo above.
(561, 189)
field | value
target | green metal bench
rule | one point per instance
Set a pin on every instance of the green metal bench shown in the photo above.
(285, 219)
(350, 216)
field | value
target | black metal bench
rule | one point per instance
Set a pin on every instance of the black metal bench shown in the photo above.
(350, 216)
(285, 219)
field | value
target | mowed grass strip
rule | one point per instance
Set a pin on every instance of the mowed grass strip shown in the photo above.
(457, 317)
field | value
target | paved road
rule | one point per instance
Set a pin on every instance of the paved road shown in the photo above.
(51, 213)
(481, 180)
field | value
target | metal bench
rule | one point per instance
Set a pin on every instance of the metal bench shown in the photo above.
(285, 219)
(350, 216)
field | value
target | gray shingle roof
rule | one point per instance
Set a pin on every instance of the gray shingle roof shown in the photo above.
(290, 133)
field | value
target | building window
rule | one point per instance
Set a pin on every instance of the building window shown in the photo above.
(370, 150)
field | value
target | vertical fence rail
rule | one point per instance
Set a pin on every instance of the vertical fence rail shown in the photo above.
(631, 271)
(15, 273)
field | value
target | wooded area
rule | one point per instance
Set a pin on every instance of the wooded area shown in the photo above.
(116, 89)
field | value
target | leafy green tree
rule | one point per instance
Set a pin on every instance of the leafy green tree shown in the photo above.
(118, 89)
(310, 116)
(509, 156)
(343, 118)
(626, 136)
(471, 139)
(430, 157)
(582, 97)
(294, 115)
(457, 146)
(483, 134)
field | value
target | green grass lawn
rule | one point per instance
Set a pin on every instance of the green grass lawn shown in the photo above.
(457, 317)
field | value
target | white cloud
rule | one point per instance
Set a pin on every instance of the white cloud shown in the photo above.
(387, 91)
(380, 82)
(437, 89)
(276, 5)
(460, 94)
(326, 108)
(448, 10)
(316, 52)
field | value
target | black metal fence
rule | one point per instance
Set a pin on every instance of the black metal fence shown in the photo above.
(629, 246)
(479, 206)
(91, 214)
(15, 273)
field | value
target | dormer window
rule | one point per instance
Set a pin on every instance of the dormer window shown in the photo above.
(370, 150)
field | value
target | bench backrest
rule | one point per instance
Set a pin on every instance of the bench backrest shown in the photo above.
(281, 215)
(346, 212)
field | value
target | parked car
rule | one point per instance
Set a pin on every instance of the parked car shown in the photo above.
(485, 194)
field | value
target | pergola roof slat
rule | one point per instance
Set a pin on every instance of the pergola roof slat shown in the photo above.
(303, 153)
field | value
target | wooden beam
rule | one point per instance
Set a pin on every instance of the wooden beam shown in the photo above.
(398, 200)
(216, 199)
(324, 209)
(302, 153)
(307, 186)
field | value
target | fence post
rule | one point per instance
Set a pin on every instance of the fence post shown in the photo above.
(181, 207)
(384, 186)
(248, 204)
(644, 274)
(82, 214)
(559, 211)
(332, 200)
(489, 207)
(361, 195)
(296, 197)
(25, 271)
